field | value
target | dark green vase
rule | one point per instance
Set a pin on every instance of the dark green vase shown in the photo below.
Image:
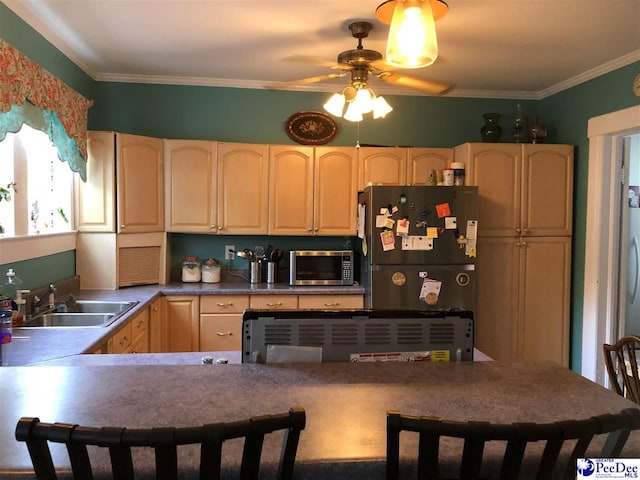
(491, 131)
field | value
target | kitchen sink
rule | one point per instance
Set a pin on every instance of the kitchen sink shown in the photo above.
(95, 306)
(70, 320)
(81, 313)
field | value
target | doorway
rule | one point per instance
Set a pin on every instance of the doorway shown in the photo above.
(600, 325)
(628, 312)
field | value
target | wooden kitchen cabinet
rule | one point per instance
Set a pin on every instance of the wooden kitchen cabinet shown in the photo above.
(273, 302)
(323, 201)
(524, 248)
(422, 160)
(121, 246)
(139, 175)
(382, 166)
(243, 184)
(523, 298)
(524, 189)
(157, 326)
(191, 175)
(132, 165)
(330, 302)
(183, 325)
(133, 337)
(221, 322)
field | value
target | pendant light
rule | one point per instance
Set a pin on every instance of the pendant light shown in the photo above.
(412, 41)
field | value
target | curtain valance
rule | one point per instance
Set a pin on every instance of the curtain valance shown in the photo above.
(21, 80)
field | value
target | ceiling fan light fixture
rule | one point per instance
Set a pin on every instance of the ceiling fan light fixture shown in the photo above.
(335, 104)
(353, 114)
(381, 107)
(364, 100)
(412, 41)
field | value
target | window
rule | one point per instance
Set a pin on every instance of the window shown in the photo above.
(43, 197)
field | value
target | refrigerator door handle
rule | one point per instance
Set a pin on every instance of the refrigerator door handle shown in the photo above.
(634, 244)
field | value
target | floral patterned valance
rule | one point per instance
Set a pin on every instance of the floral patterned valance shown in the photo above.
(22, 79)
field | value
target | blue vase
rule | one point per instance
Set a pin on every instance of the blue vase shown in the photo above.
(491, 131)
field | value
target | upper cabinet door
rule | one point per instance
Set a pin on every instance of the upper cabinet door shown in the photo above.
(495, 169)
(190, 186)
(336, 192)
(96, 198)
(423, 160)
(243, 183)
(290, 190)
(382, 166)
(140, 184)
(547, 190)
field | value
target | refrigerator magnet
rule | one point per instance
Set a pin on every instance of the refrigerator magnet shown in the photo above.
(388, 240)
(402, 227)
(430, 291)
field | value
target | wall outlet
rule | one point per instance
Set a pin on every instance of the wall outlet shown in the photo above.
(229, 252)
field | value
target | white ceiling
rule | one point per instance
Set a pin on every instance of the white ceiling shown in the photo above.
(488, 48)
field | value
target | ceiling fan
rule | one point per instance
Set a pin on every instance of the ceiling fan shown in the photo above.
(361, 63)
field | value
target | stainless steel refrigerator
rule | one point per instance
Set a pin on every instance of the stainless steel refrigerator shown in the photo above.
(416, 247)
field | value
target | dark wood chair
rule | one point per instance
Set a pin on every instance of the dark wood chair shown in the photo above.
(622, 366)
(552, 462)
(164, 441)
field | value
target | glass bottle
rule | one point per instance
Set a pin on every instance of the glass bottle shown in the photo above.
(520, 133)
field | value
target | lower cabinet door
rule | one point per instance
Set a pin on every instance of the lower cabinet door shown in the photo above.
(220, 332)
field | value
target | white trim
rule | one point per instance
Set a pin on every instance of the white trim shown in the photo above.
(16, 249)
(605, 134)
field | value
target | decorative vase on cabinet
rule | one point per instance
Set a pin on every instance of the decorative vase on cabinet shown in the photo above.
(491, 131)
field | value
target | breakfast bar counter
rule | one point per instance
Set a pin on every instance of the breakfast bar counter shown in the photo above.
(345, 403)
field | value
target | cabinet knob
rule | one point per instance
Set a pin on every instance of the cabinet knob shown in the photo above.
(224, 334)
(526, 230)
(274, 304)
(518, 230)
(213, 226)
(219, 228)
(524, 244)
(309, 229)
(518, 244)
(122, 227)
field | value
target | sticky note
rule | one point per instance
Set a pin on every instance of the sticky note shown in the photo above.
(403, 227)
(450, 223)
(388, 240)
(432, 232)
(443, 210)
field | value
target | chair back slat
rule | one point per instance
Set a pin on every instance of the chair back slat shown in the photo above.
(251, 456)
(164, 441)
(476, 435)
(621, 360)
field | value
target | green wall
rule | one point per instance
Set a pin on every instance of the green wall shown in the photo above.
(258, 116)
(41, 271)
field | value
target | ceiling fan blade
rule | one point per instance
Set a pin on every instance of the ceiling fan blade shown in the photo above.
(321, 62)
(306, 81)
(401, 80)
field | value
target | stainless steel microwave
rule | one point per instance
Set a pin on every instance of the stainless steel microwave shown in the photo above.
(321, 267)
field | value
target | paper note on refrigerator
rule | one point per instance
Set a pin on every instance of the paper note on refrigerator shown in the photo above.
(388, 240)
(360, 221)
(430, 291)
(432, 232)
(417, 242)
(472, 229)
(450, 223)
(403, 227)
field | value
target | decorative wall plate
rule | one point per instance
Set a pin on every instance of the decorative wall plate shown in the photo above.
(311, 128)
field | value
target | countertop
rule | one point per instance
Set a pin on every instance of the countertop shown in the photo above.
(346, 405)
(34, 345)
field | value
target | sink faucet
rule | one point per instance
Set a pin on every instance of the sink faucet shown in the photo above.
(52, 298)
(39, 306)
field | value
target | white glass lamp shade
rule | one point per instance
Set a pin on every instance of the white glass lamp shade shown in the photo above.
(353, 114)
(412, 41)
(381, 107)
(364, 100)
(335, 105)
